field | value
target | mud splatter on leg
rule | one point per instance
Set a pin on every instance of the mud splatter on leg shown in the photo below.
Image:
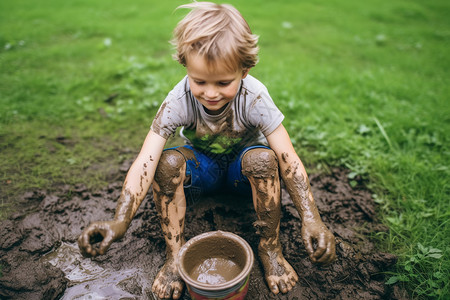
(261, 168)
(171, 205)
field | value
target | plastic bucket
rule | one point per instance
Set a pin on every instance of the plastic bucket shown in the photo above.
(216, 265)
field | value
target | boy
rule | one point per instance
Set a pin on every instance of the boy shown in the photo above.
(235, 140)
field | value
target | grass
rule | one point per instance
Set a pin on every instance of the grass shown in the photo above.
(363, 84)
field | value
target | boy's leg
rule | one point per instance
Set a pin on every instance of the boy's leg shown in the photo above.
(170, 202)
(260, 165)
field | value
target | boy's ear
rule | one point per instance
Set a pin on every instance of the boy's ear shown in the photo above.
(245, 73)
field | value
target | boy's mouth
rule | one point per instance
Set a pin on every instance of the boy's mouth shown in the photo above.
(212, 102)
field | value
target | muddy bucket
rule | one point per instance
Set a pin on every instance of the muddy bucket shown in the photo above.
(216, 265)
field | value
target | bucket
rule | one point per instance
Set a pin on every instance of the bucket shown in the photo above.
(216, 265)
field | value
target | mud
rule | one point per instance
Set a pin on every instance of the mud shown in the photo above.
(41, 260)
(260, 163)
(214, 259)
(215, 270)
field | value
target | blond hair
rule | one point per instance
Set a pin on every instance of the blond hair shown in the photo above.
(218, 32)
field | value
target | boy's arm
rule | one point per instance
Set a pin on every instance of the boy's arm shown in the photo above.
(135, 187)
(139, 177)
(297, 184)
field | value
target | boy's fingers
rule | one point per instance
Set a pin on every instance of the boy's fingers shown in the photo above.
(104, 245)
(331, 251)
(84, 241)
(309, 245)
(321, 248)
(83, 245)
(327, 258)
(324, 258)
(330, 255)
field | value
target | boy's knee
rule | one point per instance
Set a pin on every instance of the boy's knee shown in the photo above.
(260, 163)
(169, 166)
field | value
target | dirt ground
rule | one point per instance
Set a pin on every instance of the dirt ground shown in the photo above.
(41, 260)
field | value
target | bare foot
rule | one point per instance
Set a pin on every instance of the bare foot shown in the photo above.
(168, 284)
(280, 275)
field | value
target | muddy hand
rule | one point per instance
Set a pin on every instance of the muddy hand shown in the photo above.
(98, 237)
(317, 233)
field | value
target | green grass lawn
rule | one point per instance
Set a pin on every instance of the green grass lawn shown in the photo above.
(363, 84)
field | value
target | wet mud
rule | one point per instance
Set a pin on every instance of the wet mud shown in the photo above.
(40, 258)
(215, 258)
(215, 271)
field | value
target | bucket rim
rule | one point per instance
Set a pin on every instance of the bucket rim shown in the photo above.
(221, 286)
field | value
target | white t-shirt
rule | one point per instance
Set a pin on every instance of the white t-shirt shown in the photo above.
(246, 120)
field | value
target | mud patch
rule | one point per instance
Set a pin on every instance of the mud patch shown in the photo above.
(40, 258)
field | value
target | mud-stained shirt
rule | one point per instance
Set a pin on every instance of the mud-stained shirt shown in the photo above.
(246, 120)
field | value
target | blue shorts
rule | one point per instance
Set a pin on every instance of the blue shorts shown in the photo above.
(211, 174)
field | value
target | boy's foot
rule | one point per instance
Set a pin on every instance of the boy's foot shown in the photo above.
(279, 274)
(168, 284)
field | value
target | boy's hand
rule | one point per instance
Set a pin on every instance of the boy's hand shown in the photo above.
(317, 232)
(98, 237)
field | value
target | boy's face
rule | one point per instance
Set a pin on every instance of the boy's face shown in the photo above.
(214, 86)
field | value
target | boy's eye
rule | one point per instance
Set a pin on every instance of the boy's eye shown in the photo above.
(224, 83)
(199, 82)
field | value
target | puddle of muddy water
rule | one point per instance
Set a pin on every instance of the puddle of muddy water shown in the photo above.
(89, 280)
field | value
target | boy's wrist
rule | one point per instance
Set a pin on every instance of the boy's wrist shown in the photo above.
(120, 226)
(311, 218)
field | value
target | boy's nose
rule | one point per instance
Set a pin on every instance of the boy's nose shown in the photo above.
(211, 93)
